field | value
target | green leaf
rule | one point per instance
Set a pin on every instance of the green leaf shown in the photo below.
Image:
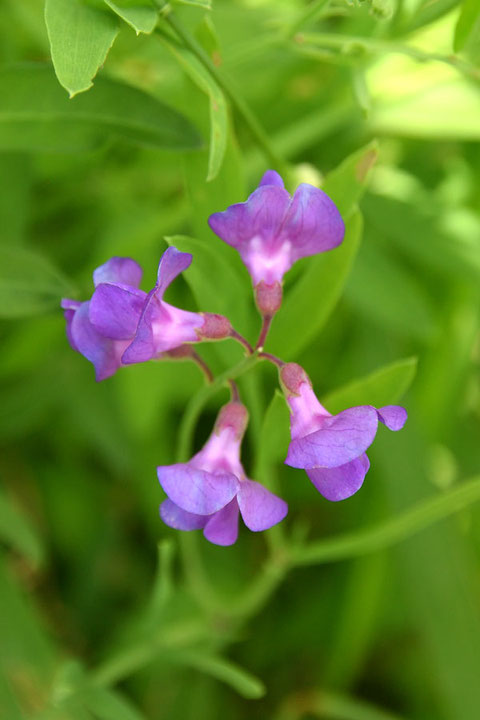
(17, 531)
(307, 306)
(218, 105)
(395, 530)
(227, 294)
(36, 116)
(347, 183)
(222, 669)
(29, 283)
(382, 387)
(384, 289)
(469, 15)
(139, 14)
(80, 37)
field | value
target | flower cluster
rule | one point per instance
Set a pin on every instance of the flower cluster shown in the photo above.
(121, 324)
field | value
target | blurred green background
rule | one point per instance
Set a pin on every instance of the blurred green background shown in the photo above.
(368, 100)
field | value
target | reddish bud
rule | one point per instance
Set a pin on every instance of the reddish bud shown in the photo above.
(215, 327)
(268, 297)
(291, 378)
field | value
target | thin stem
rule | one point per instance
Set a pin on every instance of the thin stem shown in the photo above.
(267, 321)
(271, 358)
(372, 45)
(243, 341)
(237, 100)
(203, 366)
(309, 14)
(234, 394)
(198, 402)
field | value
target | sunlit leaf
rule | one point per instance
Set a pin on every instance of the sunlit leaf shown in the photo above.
(139, 14)
(347, 183)
(36, 116)
(80, 37)
(466, 22)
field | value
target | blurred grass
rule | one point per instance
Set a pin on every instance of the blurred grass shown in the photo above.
(394, 633)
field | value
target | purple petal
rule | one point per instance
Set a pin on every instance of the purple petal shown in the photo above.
(340, 482)
(104, 353)
(172, 263)
(312, 223)
(116, 309)
(161, 327)
(393, 416)
(260, 508)
(118, 270)
(222, 528)
(197, 491)
(260, 217)
(342, 438)
(179, 519)
(70, 307)
(271, 178)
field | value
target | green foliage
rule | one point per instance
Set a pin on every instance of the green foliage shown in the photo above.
(80, 37)
(363, 609)
(36, 116)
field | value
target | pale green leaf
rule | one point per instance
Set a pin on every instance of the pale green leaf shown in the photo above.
(382, 387)
(466, 22)
(307, 306)
(203, 4)
(139, 14)
(80, 37)
(29, 283)
(17, 532)
(35, 115)
(218, 105)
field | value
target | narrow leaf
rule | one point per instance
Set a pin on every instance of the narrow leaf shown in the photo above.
(222, 669)
(347, 183)
(307, 306)
(139, 14)
(108, 704)
(395, 530)
(36, 116)
(382, 387)
(80, 37)
(218, 105)
(29, 283)
(203, 4)
(17, 531)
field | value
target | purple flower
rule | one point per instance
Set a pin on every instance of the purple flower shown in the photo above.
(210, 490)
(271, 230)
(331, 448)
(121, 324)
(102, 349)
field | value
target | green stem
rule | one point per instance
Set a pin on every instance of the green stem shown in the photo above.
(340, 42)
(392, 531)
(198, 402)
(309, 14)
(226, 85)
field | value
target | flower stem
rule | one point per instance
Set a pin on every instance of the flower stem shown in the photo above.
(203, 366)
(243, 341)
(271, 358)
(237, 100)
(234, 394)
(267, 321)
